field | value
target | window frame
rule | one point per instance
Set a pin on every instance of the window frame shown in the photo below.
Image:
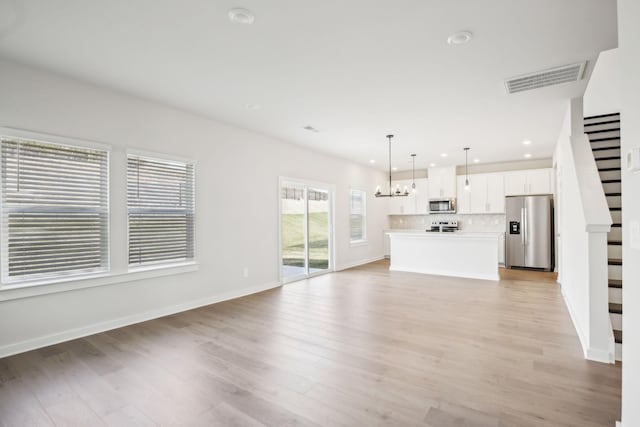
(363, 240)
(118, 271)
(36, 280)
(162, 264)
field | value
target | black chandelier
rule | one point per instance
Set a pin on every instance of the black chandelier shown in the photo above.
(397, 193)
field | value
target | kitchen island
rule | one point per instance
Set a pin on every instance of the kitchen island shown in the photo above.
(460, 254)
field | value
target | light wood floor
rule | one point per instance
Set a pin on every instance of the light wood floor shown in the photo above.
(363, 347)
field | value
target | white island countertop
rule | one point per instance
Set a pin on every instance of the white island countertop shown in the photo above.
(461, 254)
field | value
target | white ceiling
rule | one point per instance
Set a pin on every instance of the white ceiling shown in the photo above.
(356, 70)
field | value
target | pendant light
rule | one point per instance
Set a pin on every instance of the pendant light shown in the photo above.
(413, 184)
(397, 193)
(466, 168)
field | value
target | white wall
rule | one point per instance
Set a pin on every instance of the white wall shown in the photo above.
(583, 221)
(602, 95)
(629, 42)
(237, 203)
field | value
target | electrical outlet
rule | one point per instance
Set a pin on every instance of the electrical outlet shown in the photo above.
(245, 272)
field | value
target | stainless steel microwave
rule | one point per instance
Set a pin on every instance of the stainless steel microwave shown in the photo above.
(442, 205)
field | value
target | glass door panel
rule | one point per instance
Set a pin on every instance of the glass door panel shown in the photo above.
(318, 225)
(293, 220)
(305, 224)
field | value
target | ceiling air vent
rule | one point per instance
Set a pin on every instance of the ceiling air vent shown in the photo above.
(544, 78)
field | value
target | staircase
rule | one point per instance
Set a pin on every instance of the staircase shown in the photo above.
(604, 135)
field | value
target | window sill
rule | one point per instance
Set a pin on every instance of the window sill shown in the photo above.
(356, 243)
(30, 289)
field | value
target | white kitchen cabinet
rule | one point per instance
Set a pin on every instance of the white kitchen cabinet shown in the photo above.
(526, 182)
(495, 193)
(442, 182)
(422, 196)
(464, 197)
(405, 205)
(485, 194)
(539, 181)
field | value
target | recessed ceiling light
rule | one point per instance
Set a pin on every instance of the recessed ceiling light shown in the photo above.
(241, 16)
(253, 106)
(526, 142)
(432, 165)
(460, 37)
(372, 161)
(443, 155)
(528, 155)
(394, 168)
(476, 160)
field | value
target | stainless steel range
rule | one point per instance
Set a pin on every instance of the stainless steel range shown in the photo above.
(443, 227)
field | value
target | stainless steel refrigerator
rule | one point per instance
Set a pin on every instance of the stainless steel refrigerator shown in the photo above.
(529, 235)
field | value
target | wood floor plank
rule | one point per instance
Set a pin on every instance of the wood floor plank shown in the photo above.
(364, 346)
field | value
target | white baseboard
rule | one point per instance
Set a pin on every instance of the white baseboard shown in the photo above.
(590, 353)
(358, 263)
(39, 342)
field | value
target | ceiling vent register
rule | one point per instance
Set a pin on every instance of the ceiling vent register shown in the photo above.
(544, 78)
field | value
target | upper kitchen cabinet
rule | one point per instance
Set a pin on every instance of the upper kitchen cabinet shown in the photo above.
(527, 182)
(485, 194)
(442, 182)
(417, 202)
(422, 196)
(402, 205)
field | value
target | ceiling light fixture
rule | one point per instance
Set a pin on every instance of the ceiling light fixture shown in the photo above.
(528, 155)
(476, 160)
(394, 168)
(466, 168)
(392, 193)
(241, 16)
(372, 161)
(443, 155)
(461, 37)
(526, 142)
(432, 165)
(413, 184)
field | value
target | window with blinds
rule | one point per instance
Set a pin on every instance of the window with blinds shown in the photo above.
(358, 219)
(55, 214)
(160, 201)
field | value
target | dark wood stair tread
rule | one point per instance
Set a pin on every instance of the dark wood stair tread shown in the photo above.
(608, 169)
(615, 242)
(607, 158)
(615, 261)
(613, 147)
(602, 115)
(615, 208)
(616, 224)
(610, 138)
(615, 283)
(615, 308)
(589, 132)
(618, 336)
(613, 194)
(602, 123)
(611, 181)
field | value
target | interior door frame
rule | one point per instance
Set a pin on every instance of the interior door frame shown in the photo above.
(331, 188)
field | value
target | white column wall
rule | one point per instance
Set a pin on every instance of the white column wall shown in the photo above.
(629, 42)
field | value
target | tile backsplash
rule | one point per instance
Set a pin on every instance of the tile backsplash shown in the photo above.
(475, 222)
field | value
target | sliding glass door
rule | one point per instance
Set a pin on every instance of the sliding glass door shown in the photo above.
(305, 230)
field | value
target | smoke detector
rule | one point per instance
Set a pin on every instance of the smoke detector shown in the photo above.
(241, 16)
(549, 77)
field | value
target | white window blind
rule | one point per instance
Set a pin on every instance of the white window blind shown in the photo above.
(358, 219)
(160, 200)
(55, 214)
